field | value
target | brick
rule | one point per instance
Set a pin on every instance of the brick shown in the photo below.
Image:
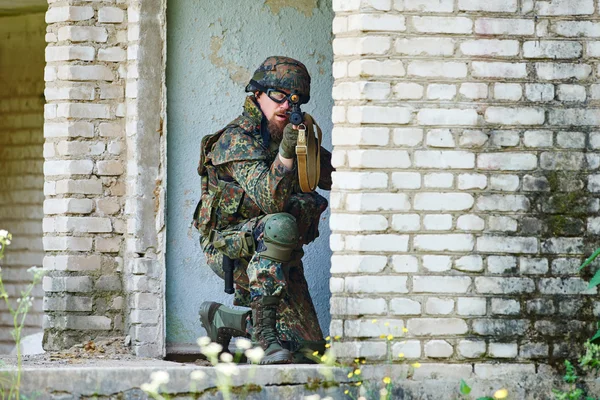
(83, 34)
(357, 306)
(425, 46)
(502, 224)
(73, 284)
(438, 349)
(565, 7)
(471, 306)
(368, 350)
(376, 22)
(78, 92)
(68, 206)
(500, 244)
(408, 91)
(562, 71)
(508, 91)
(490, 47)
(362, 328)
(438, 306)
(571, 140)
(439, 180)
(357, 263)
(441, 284)
(68, 129)
(79, 186)
(378, 115)
(474, 91)
(565, 286)
(533, 265)
(540, 307)
(440, 6)
(376, 284)
(436, 326)
(504, 26)
(361, 46)
(85, 73)
(514, 116)
(490, 5)
(377, 202)
(491, 285)
(350, 222)
(377, 243)
(111, 168)
(111, 15)
(566, 266)
(406, 222)
(400, 306)
(410, 348)
(402, 264)
(503, 203)
(437, 69)
(472, 138)
(378, 159)
(469, 264)
(509, 183)
(505, 307)
(501, 264)
(93, 323)
(502, 350)
(112, 54)
(472, 181)
(83, 224)
(71, 13)
(361, 90)
(569, 161)
(68, 303)
(571, 93)
(442, 24)
(537, 139)
(539, 92)
(73, 263)
(576, 28)
(471, 348)
(507, 161)
(108, 245)
(108, 283)
(553, 49)
(574, 116)
(359, 180)
(441, 92)
(446, 242)
(366, 68)
(83, 110)
(498, 70)
(70, 53)
(493, 371)
(500, 327)
(360, 136)
(534, 350)
(443, 201)
(437, 263)
(68, 167)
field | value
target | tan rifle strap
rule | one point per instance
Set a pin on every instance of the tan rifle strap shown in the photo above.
(308, 152)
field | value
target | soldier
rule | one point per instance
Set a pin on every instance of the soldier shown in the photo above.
(253, 211)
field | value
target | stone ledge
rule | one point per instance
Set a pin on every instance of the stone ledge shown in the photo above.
(122, 379)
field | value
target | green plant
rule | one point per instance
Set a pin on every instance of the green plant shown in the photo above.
(589, 362)
(595, 281)
(10, 384)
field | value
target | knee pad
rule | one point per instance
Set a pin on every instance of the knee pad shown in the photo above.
(280, 237)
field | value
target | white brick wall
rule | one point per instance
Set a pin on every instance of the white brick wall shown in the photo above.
(84, 171)
(21, 162)
(490, 105)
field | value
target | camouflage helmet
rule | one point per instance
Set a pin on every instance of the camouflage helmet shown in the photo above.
(281, 73)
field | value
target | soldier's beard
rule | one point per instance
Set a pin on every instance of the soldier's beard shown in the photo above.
(276, 129)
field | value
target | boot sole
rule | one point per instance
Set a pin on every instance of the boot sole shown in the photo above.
(207, 314)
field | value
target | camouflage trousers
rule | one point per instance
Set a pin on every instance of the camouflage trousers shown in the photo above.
(256, 276)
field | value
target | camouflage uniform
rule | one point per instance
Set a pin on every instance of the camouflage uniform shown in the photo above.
(243, 182)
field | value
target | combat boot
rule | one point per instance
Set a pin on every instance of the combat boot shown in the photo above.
(222, 323)
(264, 316)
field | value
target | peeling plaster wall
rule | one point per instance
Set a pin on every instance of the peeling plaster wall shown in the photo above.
(213, 48)
(21, 159)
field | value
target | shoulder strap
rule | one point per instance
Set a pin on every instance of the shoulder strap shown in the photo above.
(308, 152)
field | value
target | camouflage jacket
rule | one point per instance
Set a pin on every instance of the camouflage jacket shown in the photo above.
(243, 178)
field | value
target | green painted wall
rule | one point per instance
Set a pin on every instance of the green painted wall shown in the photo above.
(213, 48)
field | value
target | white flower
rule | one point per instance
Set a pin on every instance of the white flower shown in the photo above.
(197, 375)
(226, 357)
(159, 377)
(212, 350)
(327, 398)
(3, 233)
(243, 344)
(203, 341)
(149, 387)
(227, 369)
(255, 355)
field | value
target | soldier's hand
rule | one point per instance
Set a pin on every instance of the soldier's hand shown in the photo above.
(287, 148)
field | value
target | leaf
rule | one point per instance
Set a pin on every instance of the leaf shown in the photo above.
(595, 280)
(464, 388)
(590, 259)
(486, 398)
(596, 336)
